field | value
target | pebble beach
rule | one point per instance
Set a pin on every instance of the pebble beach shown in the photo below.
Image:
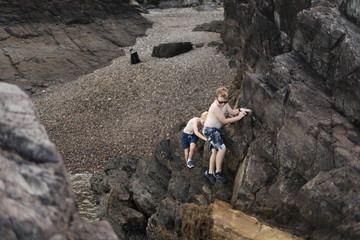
(128, 109)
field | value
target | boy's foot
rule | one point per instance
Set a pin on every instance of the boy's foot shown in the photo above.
(210, 177)
(220, 177)
(190, 164)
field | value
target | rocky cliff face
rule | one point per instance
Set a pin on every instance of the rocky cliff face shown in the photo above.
(159, 198)
(44, 43)
(300, 76)
(36, 197)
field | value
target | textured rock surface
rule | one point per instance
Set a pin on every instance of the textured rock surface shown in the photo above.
(173, 219)
(36, 197)
(299, 74)
(155, 188)
(44, 43)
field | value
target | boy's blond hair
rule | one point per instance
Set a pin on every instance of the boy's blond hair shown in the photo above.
(204, 115)
(222, 92)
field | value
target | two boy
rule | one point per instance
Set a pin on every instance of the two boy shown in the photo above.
(216, 118)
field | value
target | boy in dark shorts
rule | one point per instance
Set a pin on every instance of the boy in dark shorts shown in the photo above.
(190, 136)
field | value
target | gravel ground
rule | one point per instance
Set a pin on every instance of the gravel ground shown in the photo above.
(126, 108)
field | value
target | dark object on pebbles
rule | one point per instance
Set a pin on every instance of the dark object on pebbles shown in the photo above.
(167, 50)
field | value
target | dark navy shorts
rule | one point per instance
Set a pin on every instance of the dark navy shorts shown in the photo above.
(187, 139)
(214, 138)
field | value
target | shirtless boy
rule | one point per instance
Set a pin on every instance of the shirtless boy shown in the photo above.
(215, 120)
(190, 136)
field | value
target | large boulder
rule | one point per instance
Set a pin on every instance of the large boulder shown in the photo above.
(167, 50)
(36, 199)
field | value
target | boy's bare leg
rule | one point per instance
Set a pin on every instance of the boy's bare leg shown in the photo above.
(186, 152)
(219, 159)
(212, 161)
(192, 150)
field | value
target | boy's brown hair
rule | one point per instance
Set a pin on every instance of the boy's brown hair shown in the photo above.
(222, 92)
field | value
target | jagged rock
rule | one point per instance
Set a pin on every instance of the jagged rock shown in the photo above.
(330, 46)
(167, 50)
(20, 132)
(321, 200)
(37, 201)
(255, 37)
(147, 186)
(298, 75)
(37, 37)
(307, 135)
(349, 8)
(117, 203)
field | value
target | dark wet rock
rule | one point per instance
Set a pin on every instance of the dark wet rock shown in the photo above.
(167, 50)
(37, 201)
